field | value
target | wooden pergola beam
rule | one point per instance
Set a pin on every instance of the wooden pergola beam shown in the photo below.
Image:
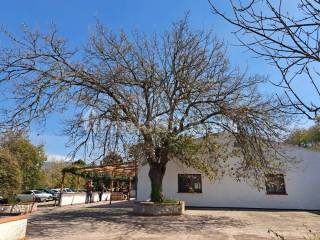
(124, 169)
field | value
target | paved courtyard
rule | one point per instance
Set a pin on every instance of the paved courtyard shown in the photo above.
(100, 222)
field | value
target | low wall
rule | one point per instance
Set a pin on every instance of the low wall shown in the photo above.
(21, 208)
(80, 198)
(155, 209)
(13, 228)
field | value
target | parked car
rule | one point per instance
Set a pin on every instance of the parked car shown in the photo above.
(34, 195)
(69, 190)
(53, 192)
(65, 190)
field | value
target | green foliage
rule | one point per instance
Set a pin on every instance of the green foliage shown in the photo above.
(306, 137)
(112, 158)
(29, 157)
(72, 172)
(53, 175)
(80, 163)
(10, 174)
(192, 152)
(21, 164)
(137, 154)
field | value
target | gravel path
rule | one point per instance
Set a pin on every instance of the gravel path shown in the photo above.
(100, 221)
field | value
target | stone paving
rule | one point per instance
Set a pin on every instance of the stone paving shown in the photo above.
(100, 221)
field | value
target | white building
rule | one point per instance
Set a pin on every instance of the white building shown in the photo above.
(298, 188)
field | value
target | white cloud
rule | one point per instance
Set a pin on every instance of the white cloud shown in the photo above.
(57, 158)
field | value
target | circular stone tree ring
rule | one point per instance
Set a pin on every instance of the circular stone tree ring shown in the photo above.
(159, 209)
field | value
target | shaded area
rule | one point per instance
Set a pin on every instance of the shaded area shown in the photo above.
(100, 221)
(118, 218)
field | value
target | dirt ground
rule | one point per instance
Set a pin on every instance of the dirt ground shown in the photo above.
(99, 221)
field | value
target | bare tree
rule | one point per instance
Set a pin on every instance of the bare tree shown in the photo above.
(289, 39)
(161, 92)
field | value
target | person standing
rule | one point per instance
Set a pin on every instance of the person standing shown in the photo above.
(89, 198)
(102, 189)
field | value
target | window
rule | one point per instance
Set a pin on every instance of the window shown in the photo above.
(275, 184)
(189, 183)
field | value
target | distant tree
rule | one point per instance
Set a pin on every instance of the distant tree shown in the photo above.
(306, 137)
(112, 158)
(29, 157)
(80, 163)
(10, 174)
(286, 34)
(53, 175)
(161, 91)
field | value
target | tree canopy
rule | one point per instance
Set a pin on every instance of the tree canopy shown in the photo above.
(53, 174)
(29, 157)
(309, 138)
(159, 92)
(21, 163)
(10, 174)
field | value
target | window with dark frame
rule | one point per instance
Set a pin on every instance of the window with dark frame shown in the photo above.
(275, 184)
(189, 183)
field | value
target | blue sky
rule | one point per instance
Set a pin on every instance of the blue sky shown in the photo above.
(75, 19)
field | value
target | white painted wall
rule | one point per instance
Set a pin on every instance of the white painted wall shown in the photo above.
(302, 185)
(79, 198)
(13, 230)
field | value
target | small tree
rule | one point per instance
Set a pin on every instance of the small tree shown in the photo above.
(53, 174)
(10, 174)
(161, 93)
(29, 157)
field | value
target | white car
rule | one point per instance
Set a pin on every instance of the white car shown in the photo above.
(34, 195)
(65, 190)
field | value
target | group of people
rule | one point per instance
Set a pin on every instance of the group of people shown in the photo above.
(90, 190)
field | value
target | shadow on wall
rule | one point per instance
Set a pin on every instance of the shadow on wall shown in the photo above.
(115, 217)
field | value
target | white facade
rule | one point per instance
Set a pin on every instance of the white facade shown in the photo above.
(13, 228)
(302, 187)
(80, 198)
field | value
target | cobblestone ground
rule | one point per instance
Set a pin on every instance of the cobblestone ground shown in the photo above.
(99, 221)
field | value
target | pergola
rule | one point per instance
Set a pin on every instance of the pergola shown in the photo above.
(128, 169)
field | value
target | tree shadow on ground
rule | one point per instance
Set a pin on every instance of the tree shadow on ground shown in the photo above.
(118, 218)
(315, 212)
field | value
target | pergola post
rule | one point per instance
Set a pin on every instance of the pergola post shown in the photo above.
(111, 186)
(135, 179)
(129, 187)
(61, 188)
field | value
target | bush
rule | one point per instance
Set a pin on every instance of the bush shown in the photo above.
(10, 175)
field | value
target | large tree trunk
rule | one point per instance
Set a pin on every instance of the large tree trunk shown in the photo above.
(156, 173)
